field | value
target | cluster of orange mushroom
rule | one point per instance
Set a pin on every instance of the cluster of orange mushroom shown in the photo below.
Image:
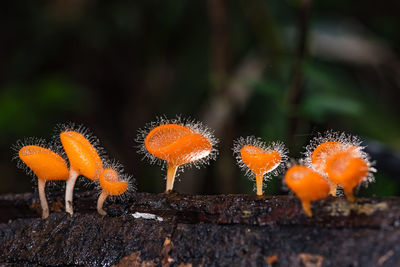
(333, 161)
(84, 157)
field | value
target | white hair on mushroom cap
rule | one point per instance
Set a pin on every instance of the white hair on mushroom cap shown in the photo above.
(193, 125)
(275, 146)
(347, 141)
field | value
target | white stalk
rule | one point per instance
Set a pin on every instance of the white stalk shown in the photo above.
(69, 191)
(259, 184)
(171, 172)
(42, 197)
(100, 203)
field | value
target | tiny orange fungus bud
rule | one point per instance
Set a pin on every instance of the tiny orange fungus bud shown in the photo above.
(112, 184)
(307, 184)
(84, 159)
(347, 170)
(259, 159)
(177, 143)
(47, 165)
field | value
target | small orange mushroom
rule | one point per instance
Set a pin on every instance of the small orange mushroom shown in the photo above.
(83, 159)
(47, 166)
(112, 184)
(177, 144)
(319, 156)
(307, 184)
(257, 158)
(347, 170)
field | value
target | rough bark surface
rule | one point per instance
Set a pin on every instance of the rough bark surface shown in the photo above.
(228, 230)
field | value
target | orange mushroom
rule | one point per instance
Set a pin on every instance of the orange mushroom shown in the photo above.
(258, 159)
(347, 170)
(83, 159)
(177, 144)
(112, 184)
(47, 166)
(307, 184)
(319, 156)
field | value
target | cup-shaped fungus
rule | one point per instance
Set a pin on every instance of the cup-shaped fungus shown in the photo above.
(319, 156)
(348, 170)
(177, 143)
(259, 159)
(84, 159)
(47, 165)
(324, 146)
(112, 183)
(307, 184)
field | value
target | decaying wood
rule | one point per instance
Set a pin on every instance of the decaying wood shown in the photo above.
(200, 230)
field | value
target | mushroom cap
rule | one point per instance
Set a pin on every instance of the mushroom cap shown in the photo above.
(307, 184)
(110, 183)
(46, 164)
(346, 169)
(177, 144)
(322, 151)
(81, 154)
(327, 149)
(258, 160)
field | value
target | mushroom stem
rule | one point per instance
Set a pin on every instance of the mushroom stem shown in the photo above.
(349, 194)
(332, 188)
(307, 208)
(100, 203)
(259, 184)
(42, 197)
(171, 171)
(69, 191)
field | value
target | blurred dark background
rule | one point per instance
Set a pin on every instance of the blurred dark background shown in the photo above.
(277, 69)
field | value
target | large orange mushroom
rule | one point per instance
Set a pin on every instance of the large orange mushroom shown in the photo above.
(84, 159)
(177, 143)
(47, 165)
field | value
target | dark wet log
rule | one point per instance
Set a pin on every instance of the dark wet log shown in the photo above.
(200, 230)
